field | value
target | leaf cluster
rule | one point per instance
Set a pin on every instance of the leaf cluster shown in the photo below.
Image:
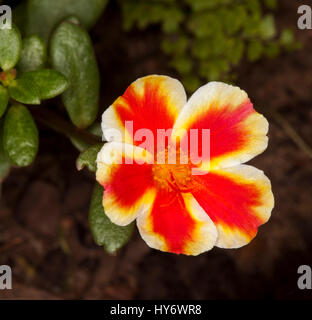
(206, 40)
(53, 56)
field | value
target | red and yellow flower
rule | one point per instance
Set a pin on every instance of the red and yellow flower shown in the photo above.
(175, 210)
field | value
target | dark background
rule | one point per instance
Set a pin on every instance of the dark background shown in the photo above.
(44, 232)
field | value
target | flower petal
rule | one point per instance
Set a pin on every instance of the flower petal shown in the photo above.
(128, 189)
(237, 131)
(152, 102)
(238, 200)
(177, 224)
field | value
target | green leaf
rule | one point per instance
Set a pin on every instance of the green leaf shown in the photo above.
(4, 99)
(10, 47)
(4, 164)
(33, 54)
(177, 46)
(79, 144)
(271, 50)
(106, 233)
(201, 5)
(72, 54)
(202, 49)
(73, 20)
(205, 24)
(172, 17)
(44, 15)
(20, 136)
(88, 158)
(287, 37)
(24, 90)
(191, 83)
(183, 64)
(271, 4)
(254, 51)
(237, 51)
(4, 160)
(34, 86)
(267, 29)
(50, 83)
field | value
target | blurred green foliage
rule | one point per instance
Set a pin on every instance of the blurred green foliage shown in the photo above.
(207, 39)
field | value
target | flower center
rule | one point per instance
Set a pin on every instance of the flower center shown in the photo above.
(172, 172)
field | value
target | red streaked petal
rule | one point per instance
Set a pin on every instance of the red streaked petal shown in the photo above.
(238, 200)
(237, 131)
(152, 102)
(177, 224)
(128, 189)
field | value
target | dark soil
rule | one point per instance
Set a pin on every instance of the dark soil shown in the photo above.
(44, 232)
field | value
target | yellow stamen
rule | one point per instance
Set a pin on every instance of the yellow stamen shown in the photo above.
(172, 177)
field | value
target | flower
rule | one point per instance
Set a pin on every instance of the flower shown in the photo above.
(176, 209)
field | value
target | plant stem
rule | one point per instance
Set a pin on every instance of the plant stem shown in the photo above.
(57, 123)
